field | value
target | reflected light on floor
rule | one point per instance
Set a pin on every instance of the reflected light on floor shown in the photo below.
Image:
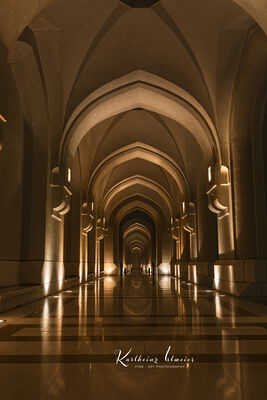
(110, 282)
(164, 282)
(195, 293)
(46, 276)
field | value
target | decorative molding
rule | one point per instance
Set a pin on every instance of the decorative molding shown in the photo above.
(219, 193)
(189, 219)
(175, 230)
(87, 218)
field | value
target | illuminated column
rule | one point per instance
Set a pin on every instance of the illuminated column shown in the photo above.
(87, 225)
(189, 225)
(220, 202)
(175, 234)
(124, 252)
(110, 267)
(59, 198)
(164, 267)
(101, 232)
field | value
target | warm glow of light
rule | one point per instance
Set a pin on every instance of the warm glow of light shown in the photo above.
(171, 221)
(47, 274)
(165, 282)
(218, 307)
(195, 293)
(110, 282)
(2, 321)
(80, 272)
(60, 275)
(3, 119)
(164, 269)
(69, 175)
(218, 274)
(179, 287)
(110, 269)
(183, 207)
(209, 174)
(194, 273)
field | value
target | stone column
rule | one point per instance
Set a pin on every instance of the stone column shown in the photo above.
(86, 227)
(110, 267)
(58, 204)
(220, 202)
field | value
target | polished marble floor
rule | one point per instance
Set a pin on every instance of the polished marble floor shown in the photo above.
(183, 342)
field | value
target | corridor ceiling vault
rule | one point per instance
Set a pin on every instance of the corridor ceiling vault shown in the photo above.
(135, 125)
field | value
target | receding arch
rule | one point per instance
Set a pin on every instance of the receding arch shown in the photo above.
(134, 180)
(145, 152)
(137, 227)
(140, 89)
(137, 202)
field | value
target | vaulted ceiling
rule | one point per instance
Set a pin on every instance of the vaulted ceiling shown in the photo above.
(138, 89)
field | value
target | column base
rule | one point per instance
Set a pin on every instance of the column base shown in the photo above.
(197, 272)
(15, 296)
(242, 278)
(111, 268)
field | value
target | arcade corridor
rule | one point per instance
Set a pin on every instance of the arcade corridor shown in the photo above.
(133, 199)
(63, 346)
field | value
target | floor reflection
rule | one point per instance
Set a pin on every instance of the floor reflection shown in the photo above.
(63, 347)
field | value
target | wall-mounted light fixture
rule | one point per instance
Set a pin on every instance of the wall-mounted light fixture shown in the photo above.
(171, 221)
(209, 174)
(92, 206)
(69, 175)
(183, 207)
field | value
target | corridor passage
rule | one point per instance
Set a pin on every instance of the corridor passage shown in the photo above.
(67, 346)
